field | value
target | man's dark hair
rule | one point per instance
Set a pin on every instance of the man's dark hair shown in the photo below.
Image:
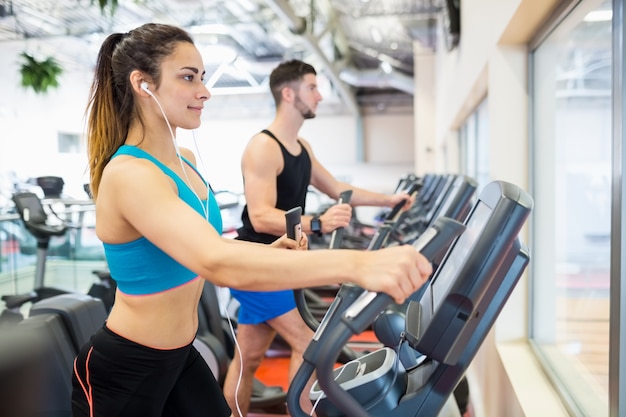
(288, 72)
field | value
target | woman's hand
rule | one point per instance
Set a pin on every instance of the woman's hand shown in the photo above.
(284, 242)
(398, 271)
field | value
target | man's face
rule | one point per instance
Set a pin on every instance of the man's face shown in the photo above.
(307, 96)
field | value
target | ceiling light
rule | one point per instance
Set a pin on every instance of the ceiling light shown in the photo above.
(386, 67)
(599, 16)
(376, 35)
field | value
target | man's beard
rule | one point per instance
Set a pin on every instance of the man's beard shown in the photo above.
(305, 111)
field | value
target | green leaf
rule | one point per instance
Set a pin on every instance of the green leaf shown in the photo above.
(103, 4)
(39, 75)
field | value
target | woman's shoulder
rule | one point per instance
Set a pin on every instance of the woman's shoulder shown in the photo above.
(125, 171)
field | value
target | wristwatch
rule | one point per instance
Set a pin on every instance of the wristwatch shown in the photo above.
(316, 226)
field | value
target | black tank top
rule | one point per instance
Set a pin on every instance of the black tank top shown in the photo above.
(291, 189)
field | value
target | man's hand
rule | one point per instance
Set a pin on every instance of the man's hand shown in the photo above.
(338, 215)
(396, 199)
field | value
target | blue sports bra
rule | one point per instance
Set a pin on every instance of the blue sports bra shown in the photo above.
(141, 268)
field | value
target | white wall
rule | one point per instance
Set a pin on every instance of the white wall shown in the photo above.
(30, 122)
(427, 153)
(389, 138)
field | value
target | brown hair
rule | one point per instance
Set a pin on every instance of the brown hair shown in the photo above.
(111, 106)
(288, 72)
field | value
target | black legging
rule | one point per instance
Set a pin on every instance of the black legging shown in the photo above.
(117, 377)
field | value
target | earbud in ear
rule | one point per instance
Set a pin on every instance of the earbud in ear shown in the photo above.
(144, 86)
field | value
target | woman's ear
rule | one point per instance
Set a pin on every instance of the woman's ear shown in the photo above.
(137, 80)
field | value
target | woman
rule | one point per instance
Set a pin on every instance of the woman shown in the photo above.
(160, 226)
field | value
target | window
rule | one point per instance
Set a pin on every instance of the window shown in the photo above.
(70, 143)
(571, 135)
(474, 143)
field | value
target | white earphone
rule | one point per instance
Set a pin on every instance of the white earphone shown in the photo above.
(144, 87)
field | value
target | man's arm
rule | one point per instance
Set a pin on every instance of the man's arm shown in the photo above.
(261, 163)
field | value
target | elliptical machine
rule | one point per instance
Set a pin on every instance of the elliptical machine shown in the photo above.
(445, 327)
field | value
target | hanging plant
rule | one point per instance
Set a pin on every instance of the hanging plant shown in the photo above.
(112, 4)
(39, 75)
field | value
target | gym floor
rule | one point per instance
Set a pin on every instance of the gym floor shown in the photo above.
(273, 372)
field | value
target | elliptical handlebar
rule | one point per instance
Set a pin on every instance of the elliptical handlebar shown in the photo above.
(294, 229)
(412, 189)
(292, 218)
(294, 223)
(392, 219)
(337, 235)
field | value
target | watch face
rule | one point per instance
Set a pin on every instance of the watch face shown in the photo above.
(316, 225)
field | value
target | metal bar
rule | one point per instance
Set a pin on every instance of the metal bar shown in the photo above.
(617, 349)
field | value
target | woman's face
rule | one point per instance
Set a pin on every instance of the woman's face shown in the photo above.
(182, 92)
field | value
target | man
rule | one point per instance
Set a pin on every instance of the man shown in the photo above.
(278, 166)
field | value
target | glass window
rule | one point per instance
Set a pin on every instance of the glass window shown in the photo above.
(474, 145)
(571, 136)
(70, 143)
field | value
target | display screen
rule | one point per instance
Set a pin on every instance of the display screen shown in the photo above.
(451, 267)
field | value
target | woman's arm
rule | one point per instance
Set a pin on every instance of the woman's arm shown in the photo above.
(148, 202)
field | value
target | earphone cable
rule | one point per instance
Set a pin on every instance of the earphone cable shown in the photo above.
(205, 207)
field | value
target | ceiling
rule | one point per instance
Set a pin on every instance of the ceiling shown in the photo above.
(364, 48)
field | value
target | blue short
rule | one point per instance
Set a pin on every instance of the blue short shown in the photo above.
(258, 307)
